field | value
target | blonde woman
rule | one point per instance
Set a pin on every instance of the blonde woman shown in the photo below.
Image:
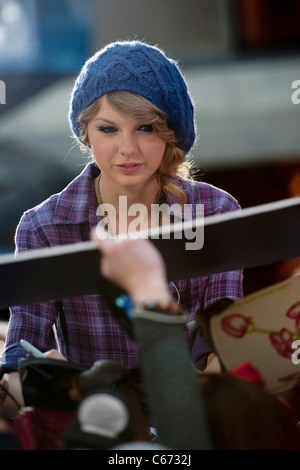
(131, 107)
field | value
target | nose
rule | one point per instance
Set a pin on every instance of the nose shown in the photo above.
(128, 144)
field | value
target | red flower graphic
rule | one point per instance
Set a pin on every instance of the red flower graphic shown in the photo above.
(294, 311)
(235, 325)
(238, 325)
(282, 342)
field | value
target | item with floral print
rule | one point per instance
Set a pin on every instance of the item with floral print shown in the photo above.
(238, 325)
(264, 329)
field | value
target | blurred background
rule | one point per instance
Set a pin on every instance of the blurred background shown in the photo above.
(240, 58)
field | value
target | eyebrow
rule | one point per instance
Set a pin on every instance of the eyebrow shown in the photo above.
(104, 120)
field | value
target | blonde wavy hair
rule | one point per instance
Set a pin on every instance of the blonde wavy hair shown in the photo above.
(174, 162)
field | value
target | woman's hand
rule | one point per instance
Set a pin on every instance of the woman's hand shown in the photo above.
(12, 383)
(54, 354)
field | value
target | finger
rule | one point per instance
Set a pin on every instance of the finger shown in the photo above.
(54, 354)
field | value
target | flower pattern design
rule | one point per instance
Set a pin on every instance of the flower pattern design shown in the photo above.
(238, 325)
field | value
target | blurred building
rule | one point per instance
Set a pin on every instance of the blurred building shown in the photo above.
(240, 58)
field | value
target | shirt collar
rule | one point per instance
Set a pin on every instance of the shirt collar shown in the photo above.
(78, 202)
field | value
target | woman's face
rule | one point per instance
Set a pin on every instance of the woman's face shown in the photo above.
(127, 151)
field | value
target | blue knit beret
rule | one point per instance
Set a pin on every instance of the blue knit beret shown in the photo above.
(138, 68)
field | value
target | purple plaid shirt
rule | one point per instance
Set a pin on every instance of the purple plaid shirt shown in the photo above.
(88, 330)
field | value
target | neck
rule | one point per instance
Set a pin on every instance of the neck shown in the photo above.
(123, 198)
(147, 194)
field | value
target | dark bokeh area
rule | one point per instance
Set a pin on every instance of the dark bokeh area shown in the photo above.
(240, 58)
(253, 186)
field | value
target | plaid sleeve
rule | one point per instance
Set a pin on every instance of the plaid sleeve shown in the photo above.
(31, 322)
(224, 285)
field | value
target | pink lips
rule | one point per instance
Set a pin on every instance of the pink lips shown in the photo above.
(129, 168)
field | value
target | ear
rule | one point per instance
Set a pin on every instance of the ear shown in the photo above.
(87, 140)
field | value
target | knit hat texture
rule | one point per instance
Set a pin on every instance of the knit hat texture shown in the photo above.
(138, 68)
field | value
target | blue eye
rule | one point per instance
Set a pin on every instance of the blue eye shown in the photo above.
(146, 128)
(107, 129)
